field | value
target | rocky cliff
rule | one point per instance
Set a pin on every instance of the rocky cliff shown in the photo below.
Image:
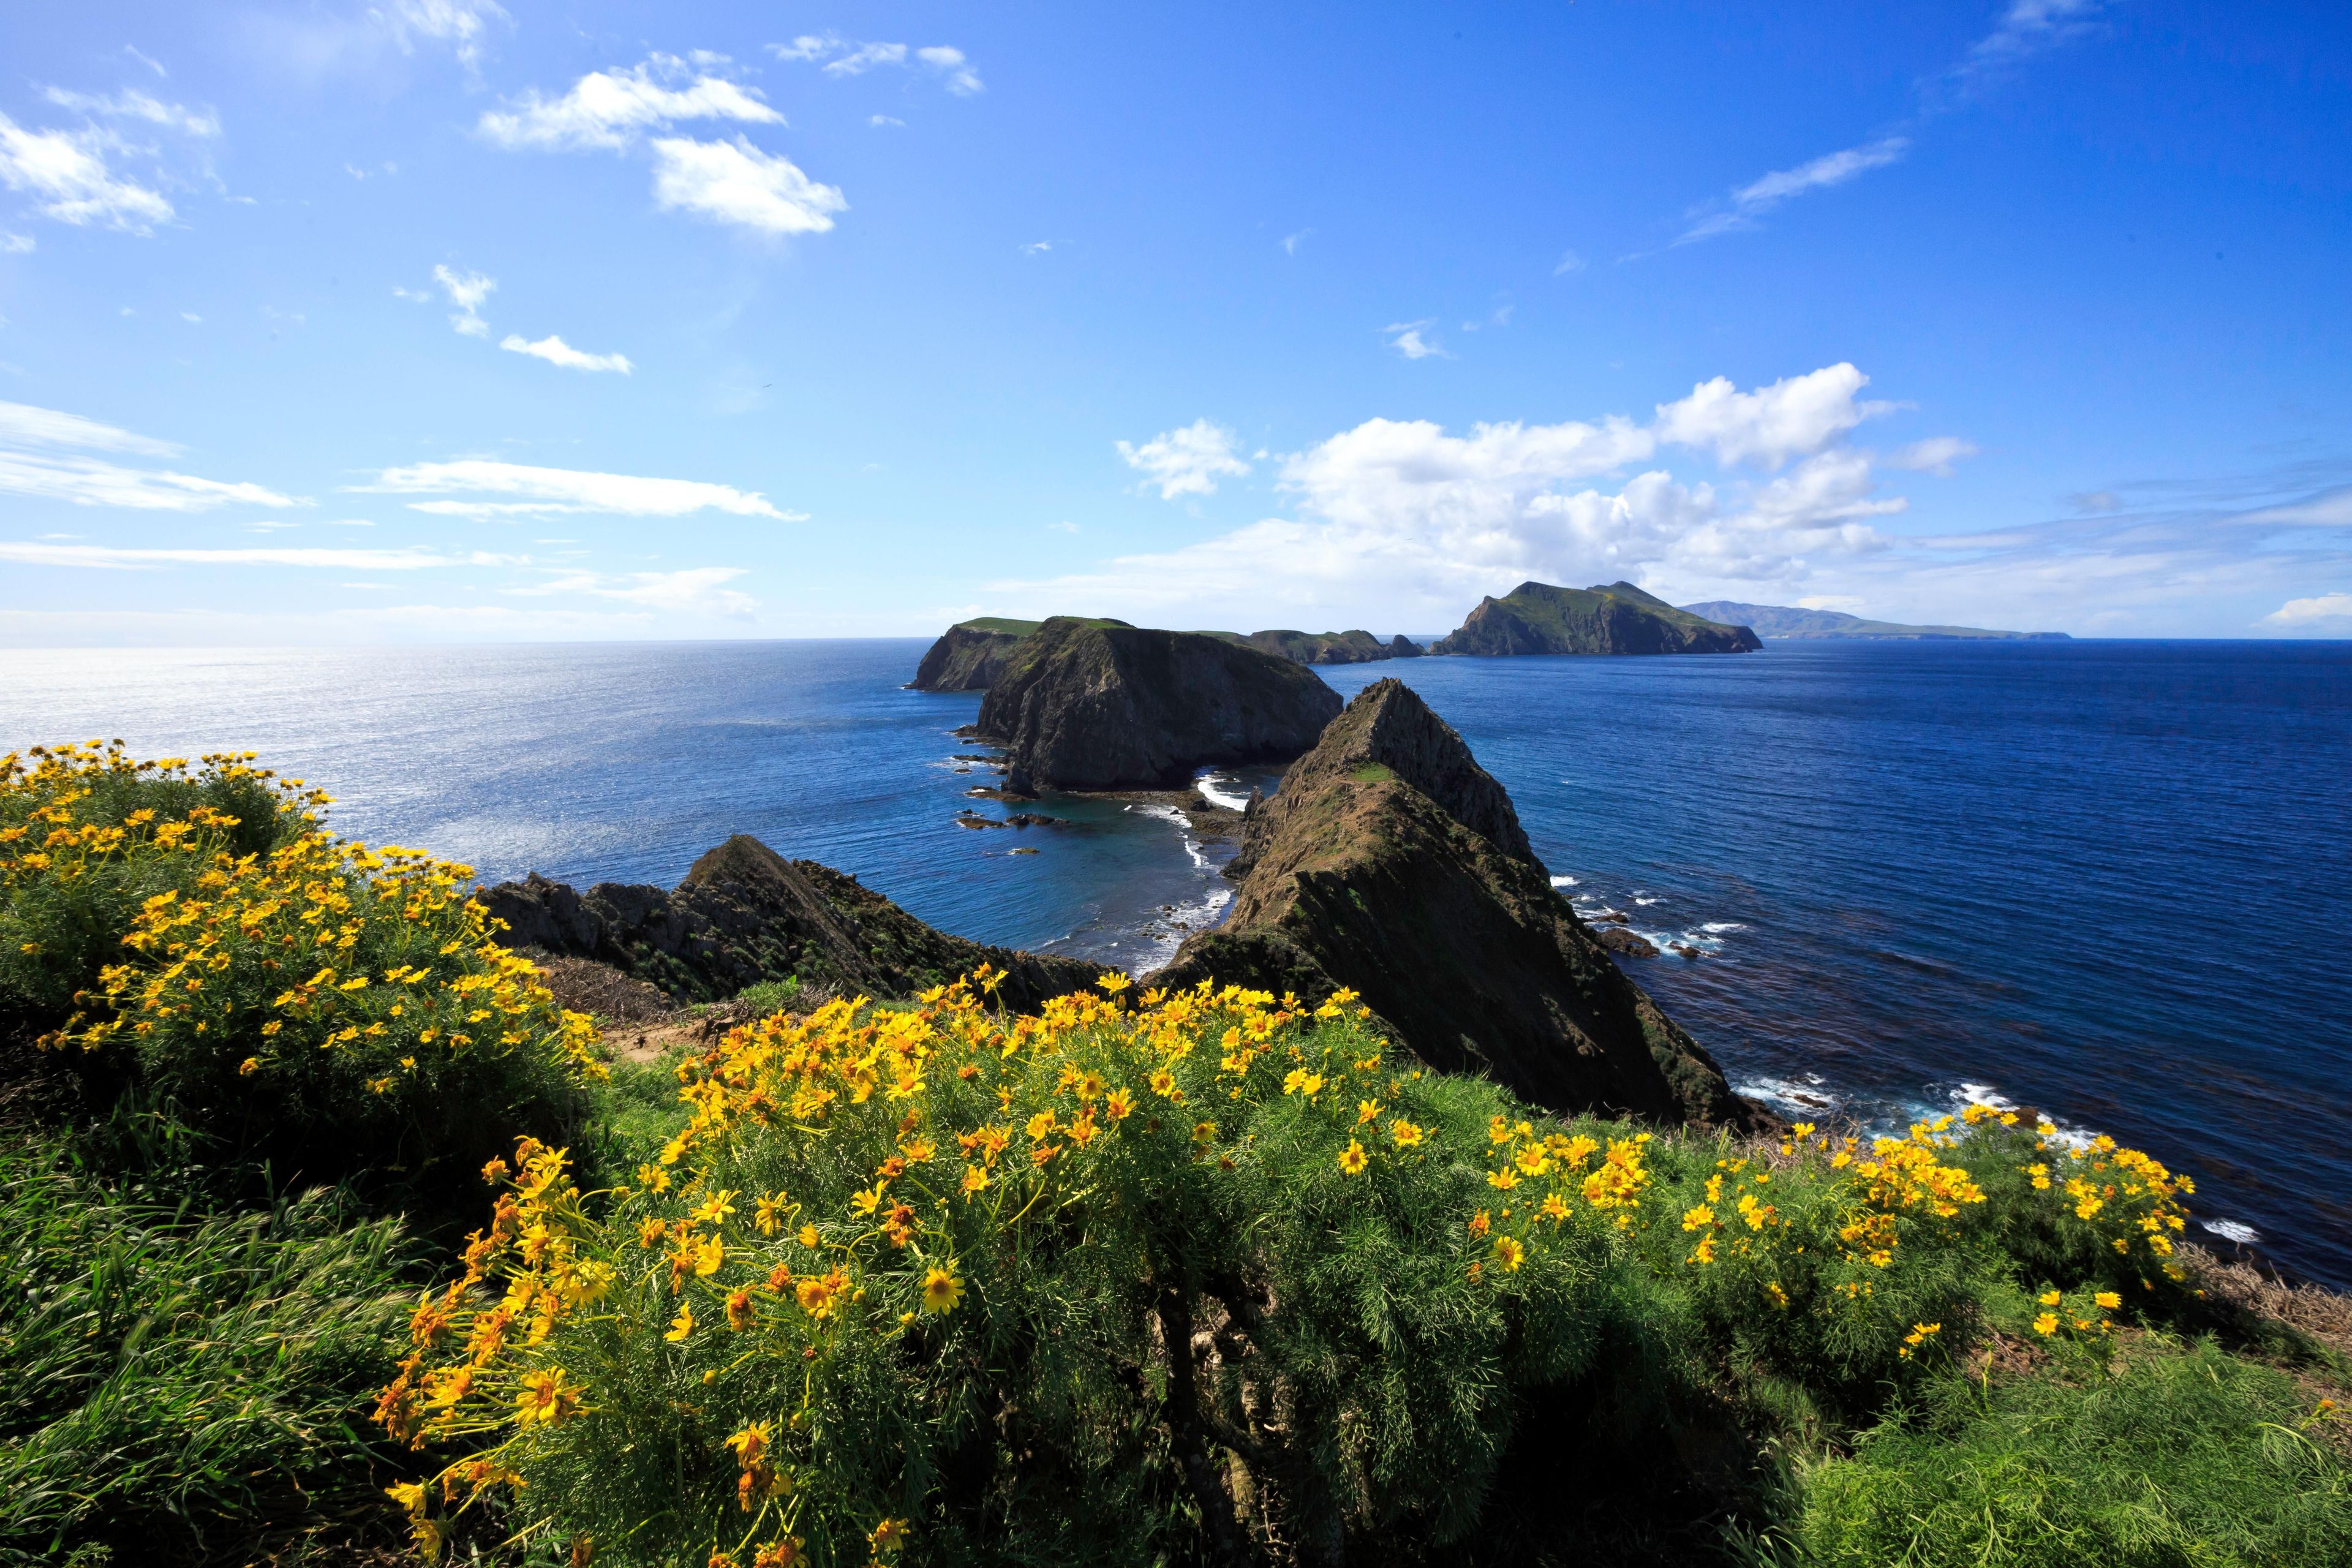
(970, 655)
(1082, 706)
(1537, 618)
(1333, 648)
(744, 914)
(1393, 864)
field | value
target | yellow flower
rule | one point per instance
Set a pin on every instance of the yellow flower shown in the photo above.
(1351, 1158)
(891, 1533)
(1699, 1219)
(1405, 1133)
(808, 1238)
(738, 1312)
(1299, 1080)
(941, 1290)
(1508, 1252)
(2109, 1300)
(410, 1496)
(546, 1398)
(248, 1067)
(750, 1443)
(1367, 1110)
(2049, 1298)
(681, 1325)
(974, 1179)
(2047, 1323)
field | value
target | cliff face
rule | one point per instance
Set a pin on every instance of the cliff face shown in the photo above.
(965, 658)
(1084, 706)
(1536, 618)
(1333, 648)
(745, 914)
(1393, 864)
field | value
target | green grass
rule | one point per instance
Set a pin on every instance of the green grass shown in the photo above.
(2182, 1457)
(184, 1386)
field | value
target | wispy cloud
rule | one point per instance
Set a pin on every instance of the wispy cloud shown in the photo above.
(1569, 261)
(1753, 200)
(466, 291)
(556, 352)
(1187, 462)
(609, 110)
(22, 425)
(463, 24)
(67, 175)
(109, 558)
(840, 56)
(1406, 338)
(557, 491)
(37, 457)
(692, 591)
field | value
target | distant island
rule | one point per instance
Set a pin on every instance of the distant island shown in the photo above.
(1617, 618)
(970, 655)
(1783, 621)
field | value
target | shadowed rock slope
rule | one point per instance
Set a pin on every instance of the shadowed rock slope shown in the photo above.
(1333, 648)
(1393, 864)
(970, 655)
(1082, 706)
(1537, 618)
(744, 914)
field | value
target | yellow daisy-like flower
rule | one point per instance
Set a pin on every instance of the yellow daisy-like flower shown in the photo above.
(1405, 1133)
(974, 1179)
(2049, 1298)
(546, 1398)
(941, 1291)
(2109, 1300)
(891, 1533)
(1351, 1158)
(2047, 1323)
(1509, 1253)
(681, 1325)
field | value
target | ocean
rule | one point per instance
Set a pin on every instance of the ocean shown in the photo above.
(2100, 878)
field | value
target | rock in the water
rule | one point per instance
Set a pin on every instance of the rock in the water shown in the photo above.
(1330, 647)
(745, 914)
(1358, 875)
(1617, 940)
(1536, 618)
(1403, 646)
(1088, 706)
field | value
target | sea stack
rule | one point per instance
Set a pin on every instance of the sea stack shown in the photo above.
(1086, 706)
(1537, 618)
(1393, 864)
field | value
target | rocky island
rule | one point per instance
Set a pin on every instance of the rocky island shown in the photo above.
(1333, 648)
(1537, 618)
(1393, 864)
(970, 655)
(1085, 706)
(1786, 621)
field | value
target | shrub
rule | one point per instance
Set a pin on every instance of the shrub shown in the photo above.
(181, 1388)
(332, 1007)
(2196, 1458)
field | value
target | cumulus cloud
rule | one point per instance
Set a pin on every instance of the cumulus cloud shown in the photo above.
(37, 457)
(610, 110)
(67, 177)
(556, 352)
(735, 182)
(1187, 462)
(1418, 519)
(693, 591)
(840, 56)
(554, 490)
(2304, 612)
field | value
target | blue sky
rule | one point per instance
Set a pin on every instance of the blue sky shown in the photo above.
(435, 320)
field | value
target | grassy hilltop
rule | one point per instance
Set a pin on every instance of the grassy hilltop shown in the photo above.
(333, 1237)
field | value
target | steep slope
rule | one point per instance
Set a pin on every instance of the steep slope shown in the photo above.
(1783, 621)
(744, 914)
(1537, 618)
(1333, 648)
(970, 654)
(1393, 864)
(1082, 706)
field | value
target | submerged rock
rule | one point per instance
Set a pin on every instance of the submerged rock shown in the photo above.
(1537, 618)
(1629, 944)
(1091, 706)
(744, 914)
(1390, 863)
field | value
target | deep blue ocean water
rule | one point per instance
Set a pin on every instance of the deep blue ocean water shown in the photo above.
(2107, 880)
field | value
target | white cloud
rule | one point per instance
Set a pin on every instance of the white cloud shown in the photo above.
(106, 558)
(14, 243)
(151, 64)
(1291, 242)
(880, 119)
(1186, 461)
(2330, 509)
(735, 182)
(132, 104)
(556, 352)
(466, 291)
(86, 481)
(609, 110)
(1772, 424)
(461, 23)
(1037, 247)
(22, 425)
(1406, 339)
(2303, 612)
(694, 591)
(67, 175)
(847, 58)
(2026, 29)
(1569, 262)
(1935, 455)
(549, 490)
(1752, 200)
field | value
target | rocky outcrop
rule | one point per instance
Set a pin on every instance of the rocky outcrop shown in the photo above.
(965, 658)
(1390, 863)
(1536, 618)
(1088, 706)
(744, 914)
(1333, 648)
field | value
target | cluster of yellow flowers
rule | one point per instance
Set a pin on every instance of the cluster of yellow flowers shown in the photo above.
(50, 827)
(2128, 1197)
(1561, 1168)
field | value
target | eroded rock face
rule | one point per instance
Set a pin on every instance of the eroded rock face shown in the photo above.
(1615, 619)
(1360, 873)
(745, 914)
(1333, 648)
(1095, 707)
(965, 658)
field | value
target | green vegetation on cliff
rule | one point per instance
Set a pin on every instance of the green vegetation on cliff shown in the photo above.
(1209, 1276)
(1782, 621)
(1617, 618)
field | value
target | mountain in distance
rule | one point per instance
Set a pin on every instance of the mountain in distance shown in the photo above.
(971, 654)
(1785, 621)
(1615, 618)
